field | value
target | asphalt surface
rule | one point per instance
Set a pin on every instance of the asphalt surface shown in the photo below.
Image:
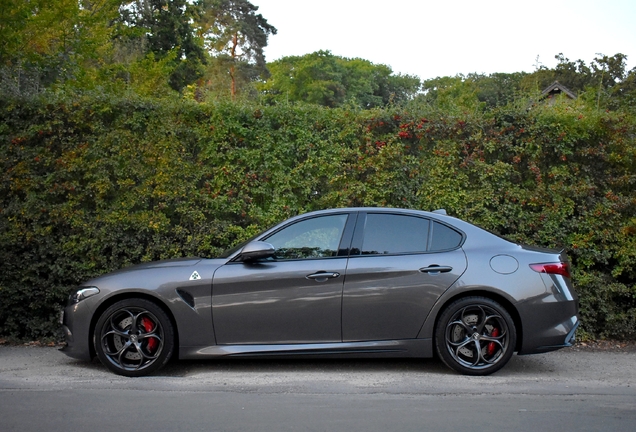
(581, 389)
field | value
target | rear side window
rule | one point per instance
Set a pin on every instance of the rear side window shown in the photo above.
(444, 238)
(394, 234)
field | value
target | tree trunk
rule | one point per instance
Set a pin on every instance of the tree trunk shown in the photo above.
(232, 76)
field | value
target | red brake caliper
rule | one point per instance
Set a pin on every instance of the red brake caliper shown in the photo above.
(149, 326)
(490, 349)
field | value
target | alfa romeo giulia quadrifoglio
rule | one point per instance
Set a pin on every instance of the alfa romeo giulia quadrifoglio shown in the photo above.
(350, 282)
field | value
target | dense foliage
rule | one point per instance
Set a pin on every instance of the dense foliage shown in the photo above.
(91, 184)
(325, 79)
(133, 130)
(150, 47)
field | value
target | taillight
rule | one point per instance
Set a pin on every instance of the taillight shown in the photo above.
(561, 268)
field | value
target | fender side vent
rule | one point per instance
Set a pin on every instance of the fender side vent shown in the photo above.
(186, 297)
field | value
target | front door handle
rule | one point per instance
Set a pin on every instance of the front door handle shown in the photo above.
(323, 276)
(435, 269)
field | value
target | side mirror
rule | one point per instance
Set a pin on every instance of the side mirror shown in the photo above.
(257, 250)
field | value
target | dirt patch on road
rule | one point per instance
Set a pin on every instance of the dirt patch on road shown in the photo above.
(606, 345)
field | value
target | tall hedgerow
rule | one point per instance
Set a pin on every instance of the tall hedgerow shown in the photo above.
(93, 183)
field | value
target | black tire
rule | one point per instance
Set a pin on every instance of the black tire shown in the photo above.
(134, 337)
(475, 336)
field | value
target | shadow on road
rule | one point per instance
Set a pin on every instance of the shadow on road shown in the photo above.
(518, 366)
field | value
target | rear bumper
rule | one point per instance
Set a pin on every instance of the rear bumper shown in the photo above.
(567, 342)
(548, 327)
(549, 320)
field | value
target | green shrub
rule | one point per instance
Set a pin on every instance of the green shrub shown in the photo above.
(91, 184)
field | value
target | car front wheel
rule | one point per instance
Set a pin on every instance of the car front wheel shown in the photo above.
(134, 337)
(475, 336)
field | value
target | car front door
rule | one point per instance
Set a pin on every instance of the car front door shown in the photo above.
(295, 297)
(399, 266)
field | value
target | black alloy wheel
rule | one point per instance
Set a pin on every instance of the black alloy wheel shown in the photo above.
(134, 337)
(475, 336)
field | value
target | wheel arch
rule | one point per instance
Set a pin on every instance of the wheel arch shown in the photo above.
(503, 301)
(129, 295)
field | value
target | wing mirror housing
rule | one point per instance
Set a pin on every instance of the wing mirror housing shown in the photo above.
(256, 250)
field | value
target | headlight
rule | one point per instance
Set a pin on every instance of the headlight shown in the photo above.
(82, 293)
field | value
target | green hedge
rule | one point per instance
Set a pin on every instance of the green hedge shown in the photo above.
(92, 184)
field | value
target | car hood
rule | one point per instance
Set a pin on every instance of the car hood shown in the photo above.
(156, 272)
(176, 262)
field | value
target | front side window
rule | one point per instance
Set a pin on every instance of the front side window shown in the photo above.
(394, 234)
(317, 237)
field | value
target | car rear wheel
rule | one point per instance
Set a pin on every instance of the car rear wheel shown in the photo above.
(475, 336)
(134, 337)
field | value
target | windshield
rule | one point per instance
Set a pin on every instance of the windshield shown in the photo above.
(229, 252)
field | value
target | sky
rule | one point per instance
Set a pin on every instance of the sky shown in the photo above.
(445, 37)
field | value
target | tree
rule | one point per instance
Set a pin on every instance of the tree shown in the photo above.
(601, 83)
(325, 79)
(314, 78)
(51, 41)
(370, 85)
(497, 89)
(168, 30)
(236, 35)
(625, 92)
(609, 73)
(452, 94)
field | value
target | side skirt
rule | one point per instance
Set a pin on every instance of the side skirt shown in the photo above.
(421, 348)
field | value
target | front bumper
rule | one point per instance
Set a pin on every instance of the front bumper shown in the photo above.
(76, 320)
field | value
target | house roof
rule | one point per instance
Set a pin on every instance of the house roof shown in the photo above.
(555, 88)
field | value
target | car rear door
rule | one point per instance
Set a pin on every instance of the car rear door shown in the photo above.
(399, 266)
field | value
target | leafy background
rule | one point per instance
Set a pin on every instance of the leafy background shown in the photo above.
(95, 183)
(139, 130)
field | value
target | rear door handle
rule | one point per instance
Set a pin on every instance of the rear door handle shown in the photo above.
(323, 276)
(435, 269)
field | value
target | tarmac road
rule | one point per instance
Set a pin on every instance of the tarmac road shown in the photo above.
(569, 390)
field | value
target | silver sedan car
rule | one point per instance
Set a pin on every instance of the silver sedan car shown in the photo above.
(351, 282)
